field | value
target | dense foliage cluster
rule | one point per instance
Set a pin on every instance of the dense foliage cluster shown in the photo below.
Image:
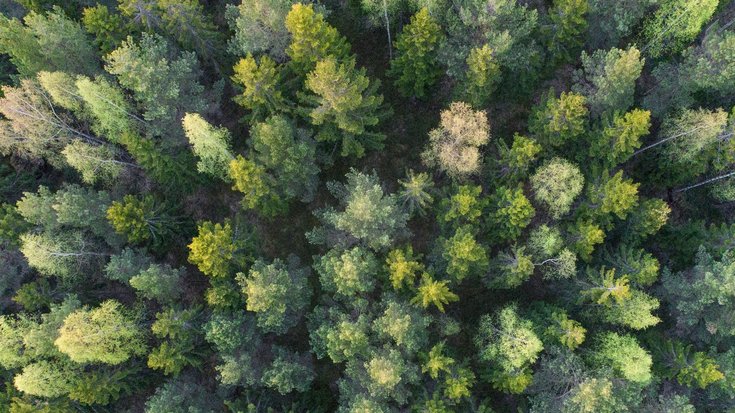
(367, 206)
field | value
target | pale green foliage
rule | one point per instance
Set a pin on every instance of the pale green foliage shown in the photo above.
(464, 255)
(289, 154)
(64, 254)
(508, 344)
(211, 145)
(625, 356)
(380, 10)
(559, 120)
(592, 396)
(511, 212)
(434, 292)
(48, 41)
(108, 107)
(94, 163)
(337, 335)
(312, 39)
(711, 66)
(556, 184)
(106, 334)
(62, 89)
(607, 79)
(544, 242)
(675, 24)
(506, 340)
(634, 312)
(32, 127)
(158, 282)
(508, 28)
(180, 395)
(416, 66)
(564, 265)
(691, 140)
(276, 293)
(182, 20)
(12, 333)
(612, 20)
(165, 84)
(388, 374)
(72, 206)
(369, 216)
(39, 336)
(259, 27)
(127, 264)
(454, 145)
(345, 98)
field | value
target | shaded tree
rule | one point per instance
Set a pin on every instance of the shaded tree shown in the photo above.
(607, 79)
(276, 293)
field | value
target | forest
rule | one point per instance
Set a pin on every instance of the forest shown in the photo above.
(367, 206)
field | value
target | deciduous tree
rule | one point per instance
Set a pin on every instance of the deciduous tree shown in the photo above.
(454, 145)
(556, 185)
(211, 145)
(107, 334)
(675, 24)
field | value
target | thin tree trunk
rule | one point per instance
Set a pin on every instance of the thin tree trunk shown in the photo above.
(387, 26)
(708, 181)
(653, 145)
